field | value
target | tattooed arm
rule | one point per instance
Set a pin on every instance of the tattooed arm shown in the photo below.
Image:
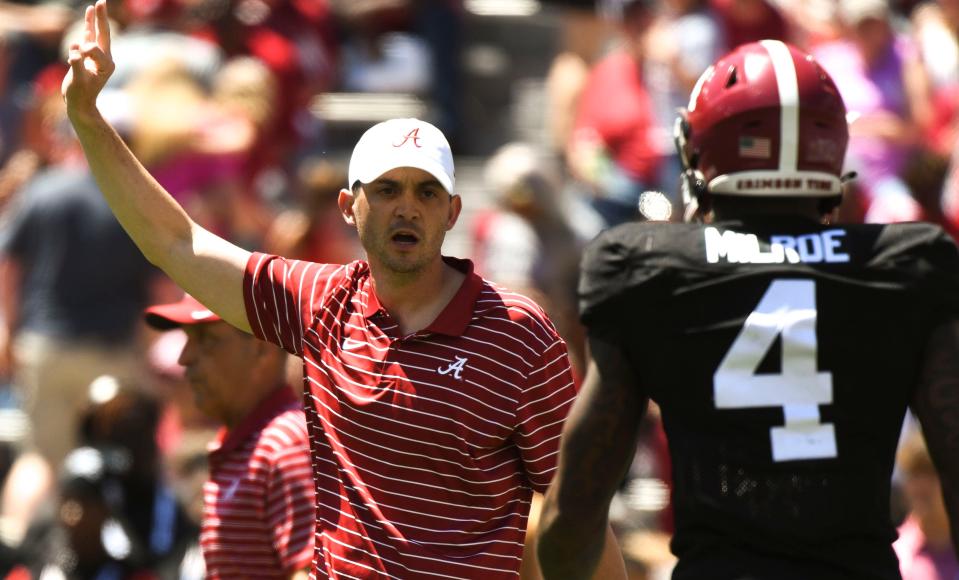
(936, 404)
(599, 440)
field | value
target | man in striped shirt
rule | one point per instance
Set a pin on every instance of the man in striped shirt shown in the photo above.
(434, 399)
(258, 515)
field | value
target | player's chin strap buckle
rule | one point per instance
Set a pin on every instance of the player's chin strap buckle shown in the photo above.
(692, 181)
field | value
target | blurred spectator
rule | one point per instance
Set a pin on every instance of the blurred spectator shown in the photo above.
(122, 422)
(949, 197)
(441, 24)
(27, 490)
(244, 95)
(587, 28)
(73, 286)
(924, 546)
(379, 53)
(314, 230)
(30, 32)
(148, 32)
(813, 22)
(565, 81)
(584, 26)
(147, 529)
(11, 107)
(189, 471)
(883, 83)
(746, 21)
(528, 243)
(200, 147)
(684, 39)
(935, 27)
(298, 42)
(258, 515)
(44, 21)
(41, 136)
(404, 46)
(83, 540)
(612, 152)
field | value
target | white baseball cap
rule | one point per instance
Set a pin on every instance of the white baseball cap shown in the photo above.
(402, 143)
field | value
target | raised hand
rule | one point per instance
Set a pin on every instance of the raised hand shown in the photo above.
(90, 63)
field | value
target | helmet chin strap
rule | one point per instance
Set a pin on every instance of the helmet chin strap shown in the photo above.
(695, 198)
(692, 181)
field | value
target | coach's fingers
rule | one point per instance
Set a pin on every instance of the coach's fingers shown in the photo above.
(102, 64)
(102, 23)
(89, 28)
(75, 59)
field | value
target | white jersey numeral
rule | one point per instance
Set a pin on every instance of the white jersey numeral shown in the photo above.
(787, 309)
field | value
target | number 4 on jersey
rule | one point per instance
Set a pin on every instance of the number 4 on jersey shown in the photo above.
(787, 309)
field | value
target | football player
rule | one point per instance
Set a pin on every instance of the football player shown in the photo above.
(783, 351)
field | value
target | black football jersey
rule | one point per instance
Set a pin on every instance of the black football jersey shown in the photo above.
(783, 354)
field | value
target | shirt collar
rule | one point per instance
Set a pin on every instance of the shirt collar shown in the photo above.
(373, 305)
(227, 440)
(454, 319)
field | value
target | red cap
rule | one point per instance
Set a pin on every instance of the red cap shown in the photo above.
(186, 311)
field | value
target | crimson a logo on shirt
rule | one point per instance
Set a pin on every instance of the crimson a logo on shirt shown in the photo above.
(455, 367)
(413, 136)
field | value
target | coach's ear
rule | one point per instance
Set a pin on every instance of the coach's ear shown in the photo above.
(345, 200)
(456, 206)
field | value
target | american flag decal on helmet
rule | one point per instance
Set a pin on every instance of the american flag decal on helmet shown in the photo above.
(755, 147)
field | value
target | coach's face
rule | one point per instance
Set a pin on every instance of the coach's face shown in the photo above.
(402, 218)
(219, 361)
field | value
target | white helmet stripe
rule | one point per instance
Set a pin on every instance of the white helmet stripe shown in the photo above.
(789, 103)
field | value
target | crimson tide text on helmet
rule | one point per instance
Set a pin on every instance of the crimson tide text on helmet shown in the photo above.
(767, 121)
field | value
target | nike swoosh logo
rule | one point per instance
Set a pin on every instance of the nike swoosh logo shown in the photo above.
(351, 344)
(231, 490)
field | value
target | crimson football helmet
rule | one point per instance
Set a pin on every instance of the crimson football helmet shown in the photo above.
(765, 120)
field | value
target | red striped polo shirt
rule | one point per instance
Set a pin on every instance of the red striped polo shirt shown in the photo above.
(258, 505)
(426, 447)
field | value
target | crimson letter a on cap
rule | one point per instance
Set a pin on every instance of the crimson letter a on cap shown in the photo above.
(413, 135)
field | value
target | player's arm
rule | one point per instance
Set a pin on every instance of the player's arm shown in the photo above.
(936, 404)
(206, 266)
(599, 439)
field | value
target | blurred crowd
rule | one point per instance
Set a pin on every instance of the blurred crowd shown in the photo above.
(217, 98)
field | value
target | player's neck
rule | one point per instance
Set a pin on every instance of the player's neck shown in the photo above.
(415, 300)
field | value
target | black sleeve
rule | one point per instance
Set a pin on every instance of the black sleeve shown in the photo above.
(942, 282)
(933, 259)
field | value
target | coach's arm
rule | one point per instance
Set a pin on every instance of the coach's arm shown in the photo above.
(936, 403)
(599, 440)
(206, 266)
